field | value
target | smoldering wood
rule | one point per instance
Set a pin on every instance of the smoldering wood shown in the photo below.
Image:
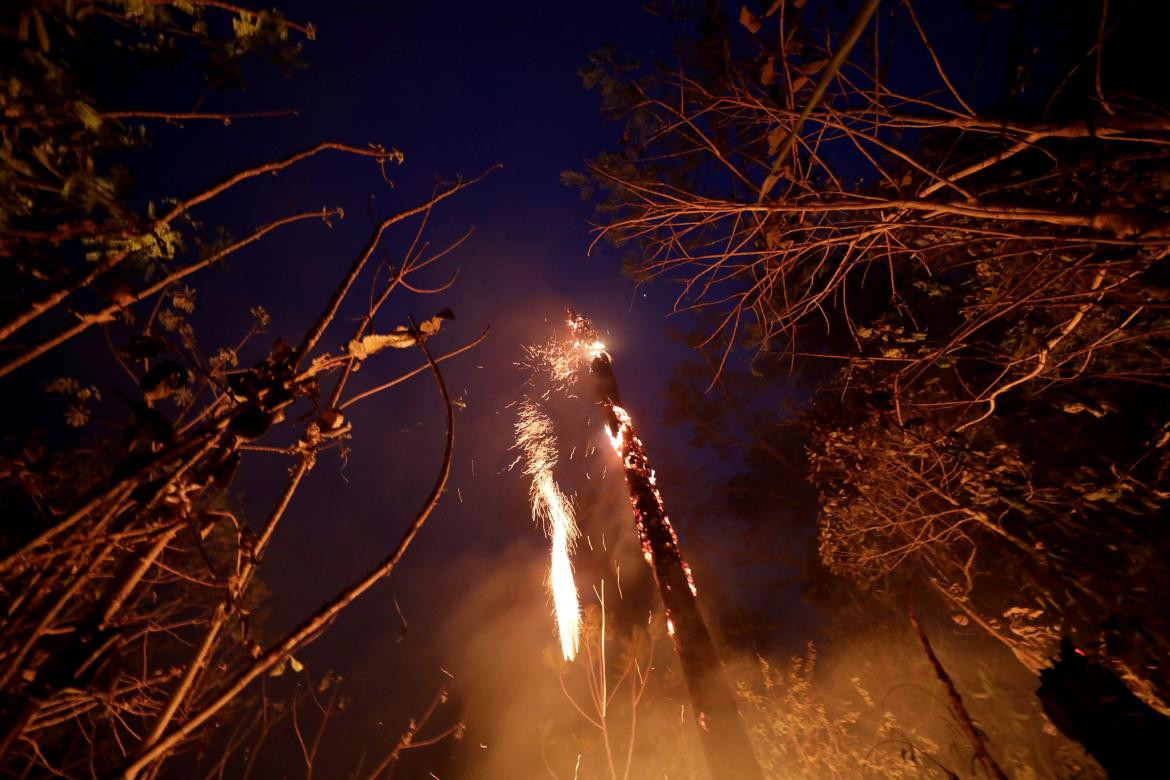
(725, 742)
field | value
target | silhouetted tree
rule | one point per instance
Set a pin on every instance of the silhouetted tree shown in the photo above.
(130, 580)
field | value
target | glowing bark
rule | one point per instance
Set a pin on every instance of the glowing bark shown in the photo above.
(725, 741)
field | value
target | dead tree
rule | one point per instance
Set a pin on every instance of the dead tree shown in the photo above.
(725, 741)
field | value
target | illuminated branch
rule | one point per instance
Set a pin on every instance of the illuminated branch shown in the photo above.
(342, 290)
(127, 624)
(788, 259)
(181, 116)
(828, 74)
(409, 374)
(157, 748)
(109, 313)
(409, 738)
(99, 269)
(83, 584)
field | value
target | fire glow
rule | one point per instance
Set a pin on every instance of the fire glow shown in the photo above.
(724, 738)
(550, 507)
(629, 448)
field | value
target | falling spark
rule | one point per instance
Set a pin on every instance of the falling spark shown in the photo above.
(550, 507)
(402, 617)
(561, 360)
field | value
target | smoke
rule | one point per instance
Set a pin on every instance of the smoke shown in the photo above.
(500, 643)
(864, 703)
(501, 647)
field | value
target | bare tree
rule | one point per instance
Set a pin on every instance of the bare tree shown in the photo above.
(129, 579)
(984, 274)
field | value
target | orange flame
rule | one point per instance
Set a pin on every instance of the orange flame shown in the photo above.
(624, 442)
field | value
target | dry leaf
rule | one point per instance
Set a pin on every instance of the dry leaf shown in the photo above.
(400, 338)
(814, 67)
(775, 138)
(749, 20)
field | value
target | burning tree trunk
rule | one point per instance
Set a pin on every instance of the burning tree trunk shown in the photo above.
(724, 739)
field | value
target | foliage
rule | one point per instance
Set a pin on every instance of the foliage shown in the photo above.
(131, 582)
(58, 190)
(801, 733)
(967, 282)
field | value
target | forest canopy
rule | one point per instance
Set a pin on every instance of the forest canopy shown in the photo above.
(949, 256)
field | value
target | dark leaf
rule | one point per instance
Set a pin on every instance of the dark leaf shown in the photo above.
(251, 422)
(243, 384)
(163, 378)
(225, 470)
(749, 20)
(145, 347)
(149, 427)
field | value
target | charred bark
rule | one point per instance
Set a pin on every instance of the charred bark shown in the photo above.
(726, 746)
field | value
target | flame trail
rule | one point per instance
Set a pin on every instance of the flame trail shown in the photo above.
(550, 507)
